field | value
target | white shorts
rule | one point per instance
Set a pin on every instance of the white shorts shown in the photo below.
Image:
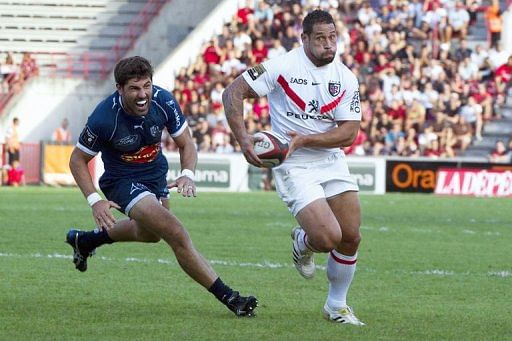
(299, 184)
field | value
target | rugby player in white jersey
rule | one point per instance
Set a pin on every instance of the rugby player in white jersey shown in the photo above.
(314, 106)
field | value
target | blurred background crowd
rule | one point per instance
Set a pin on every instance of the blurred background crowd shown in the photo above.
(425, 91)
(430, 84)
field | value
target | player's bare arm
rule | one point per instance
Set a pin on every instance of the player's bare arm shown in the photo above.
(103, 217)
(188, 160)
(341, 136)
(233, 100)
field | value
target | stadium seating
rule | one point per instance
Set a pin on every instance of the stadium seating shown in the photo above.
(62, 26)
(70, 37)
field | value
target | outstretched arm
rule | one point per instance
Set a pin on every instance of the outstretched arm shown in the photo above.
(188, 160)
(233, 98)
(100, 209)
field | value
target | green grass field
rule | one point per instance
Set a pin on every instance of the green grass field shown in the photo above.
(429, 268)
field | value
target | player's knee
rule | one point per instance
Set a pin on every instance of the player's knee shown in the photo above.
(353, 239)
(147, 237)
(326, 241)
(178, 238)
(152, 239)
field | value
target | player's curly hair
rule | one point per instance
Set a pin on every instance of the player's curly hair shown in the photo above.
(132, 67)
(316, 17)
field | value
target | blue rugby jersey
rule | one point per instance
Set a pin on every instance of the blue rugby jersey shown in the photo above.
(130, 145)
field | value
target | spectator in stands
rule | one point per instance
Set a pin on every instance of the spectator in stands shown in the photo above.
(12, 141)
(9, 74)
(463, 51)
(498, 56)
(259, 52)
(484, 98)
(458, 20)
(441, 127)
(232, 64)
(391, 39)
(411, 143)
(28, 67)
(212, 53)
(276, 49)
(500, 154)
(225, 147)
(244, 13)
(479, 55)
(206, 145)
(503, 76)
(416, 115)
(426, 137)
(467, 70)
(392, 137)
(462, 133)
(289, 39)
(15, 175)
(263, 12)
(494, 22)
(472, 113)
(242, 41)
(435, 150)
(62, 134)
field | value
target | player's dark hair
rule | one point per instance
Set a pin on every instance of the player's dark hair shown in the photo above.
(316, 17)
(132, 67)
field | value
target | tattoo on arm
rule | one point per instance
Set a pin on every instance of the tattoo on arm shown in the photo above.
(234, 96)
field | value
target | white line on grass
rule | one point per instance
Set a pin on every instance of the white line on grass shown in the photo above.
(264, 265)
(386, 229)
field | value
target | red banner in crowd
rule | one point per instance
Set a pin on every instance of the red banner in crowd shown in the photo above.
(477, 182)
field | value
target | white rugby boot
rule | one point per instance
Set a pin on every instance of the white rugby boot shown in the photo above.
(344, 315)
(304, 262)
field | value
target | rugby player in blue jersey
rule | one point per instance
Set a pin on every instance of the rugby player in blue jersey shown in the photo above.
(126, 128)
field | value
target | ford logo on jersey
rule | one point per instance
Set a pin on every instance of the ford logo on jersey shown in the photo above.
(334, 88)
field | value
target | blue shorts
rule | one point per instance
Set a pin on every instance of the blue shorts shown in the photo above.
(127, 192)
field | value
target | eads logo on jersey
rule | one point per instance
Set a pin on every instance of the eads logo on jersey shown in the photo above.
(143, 155)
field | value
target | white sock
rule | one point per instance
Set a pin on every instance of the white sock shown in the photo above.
(302, 241)
(340, 272)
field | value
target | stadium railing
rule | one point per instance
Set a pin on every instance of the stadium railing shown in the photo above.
(98, 65)
(91, 64)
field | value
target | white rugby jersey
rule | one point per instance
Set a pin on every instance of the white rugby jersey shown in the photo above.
(306, 98)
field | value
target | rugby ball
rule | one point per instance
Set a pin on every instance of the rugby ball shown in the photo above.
(270, 149)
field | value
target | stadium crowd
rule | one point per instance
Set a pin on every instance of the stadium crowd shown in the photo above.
(14, 74)
(423, 90)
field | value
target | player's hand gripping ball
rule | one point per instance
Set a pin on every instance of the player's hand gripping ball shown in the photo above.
(270, 149)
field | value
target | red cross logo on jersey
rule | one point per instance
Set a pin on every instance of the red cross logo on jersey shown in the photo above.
(334, 88)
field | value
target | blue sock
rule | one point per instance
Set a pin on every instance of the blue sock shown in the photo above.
(220, 290)
(97, 237)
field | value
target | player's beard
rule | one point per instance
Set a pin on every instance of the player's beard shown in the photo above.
(328, 58)
(325, 58)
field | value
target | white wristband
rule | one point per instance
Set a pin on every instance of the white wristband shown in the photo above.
(189, 174)
(93, 198)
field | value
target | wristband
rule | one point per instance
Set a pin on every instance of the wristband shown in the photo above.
(93, 198)
(188, 173)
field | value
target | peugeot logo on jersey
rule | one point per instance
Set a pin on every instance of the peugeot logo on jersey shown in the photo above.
(334, 88)
(314, 106)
